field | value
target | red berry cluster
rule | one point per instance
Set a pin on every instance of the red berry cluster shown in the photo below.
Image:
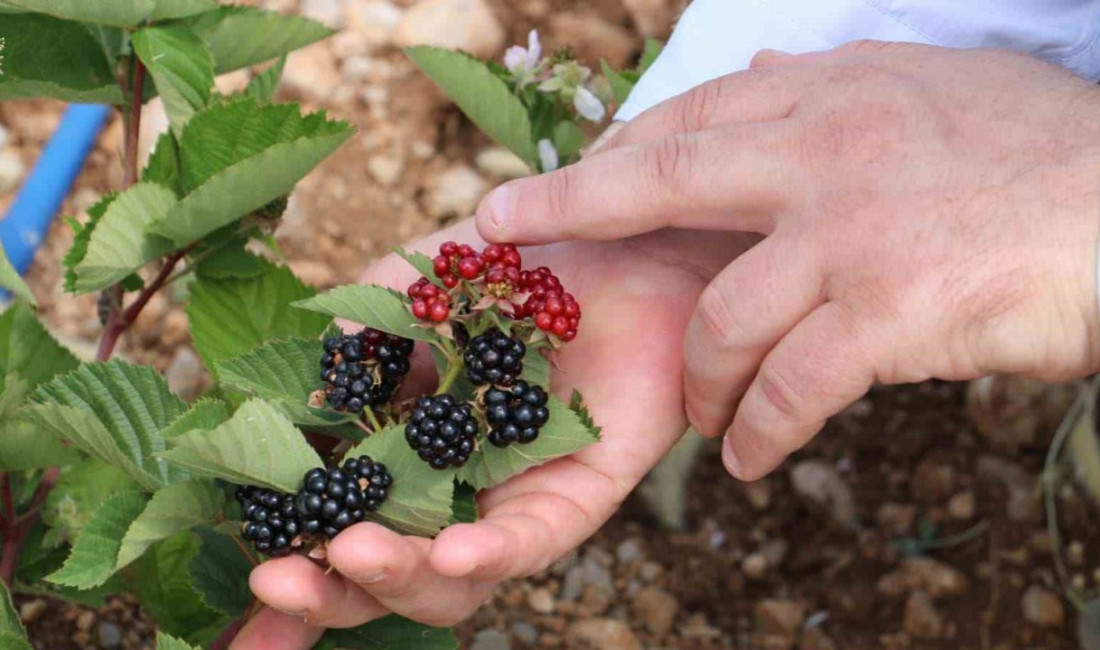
(552, 309)
(497, 269)
(430, 303)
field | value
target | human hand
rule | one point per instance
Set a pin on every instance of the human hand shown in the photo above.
(928, 213)
(637, 297)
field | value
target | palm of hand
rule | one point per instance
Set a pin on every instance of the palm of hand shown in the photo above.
(637, 296)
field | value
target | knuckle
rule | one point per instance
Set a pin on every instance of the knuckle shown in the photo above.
(695, 112)
(780, 394)
(864, 46)
(720, 320)
(559, 194)
(668, 164)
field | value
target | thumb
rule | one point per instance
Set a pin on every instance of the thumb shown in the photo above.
(819, 368)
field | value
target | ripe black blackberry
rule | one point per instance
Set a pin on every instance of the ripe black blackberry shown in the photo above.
(516, 414)
(363, 369)
(331, 500)
(271, 522)
(442, 431)
(494, 358)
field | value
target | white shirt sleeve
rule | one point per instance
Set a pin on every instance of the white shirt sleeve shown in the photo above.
(717, 37)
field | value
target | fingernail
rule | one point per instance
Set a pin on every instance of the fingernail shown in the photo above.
(500, 206)
(778, 53)
(729, 458)
(604, 138)
(371, 578)
(298, 613)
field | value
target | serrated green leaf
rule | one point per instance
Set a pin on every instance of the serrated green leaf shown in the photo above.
(536, 369)
(372, 306)
(48, 57)
(285, 373)
(165, 642)
(12, 634)
(564, 434)
(577, 405)
(94, 556)
(118, 245)
(182, 69)
(205, 414)
(244, 36)
(12, 281)
(568, 139)
(163, 166)
(257, 446)
(390, 633)
(118, 13)
(79, 492)
(420, 262)
(231, 317)
(651, 50)
(262, 87)
(239, 156)
(22, 446)
(230, 261)
(464, 508)
(482, 96)
(621, 83)
(420, 500)
(82, 235)
(220, 573)
(171, 509)
(28, 349)
(114, 411)
(161, 583)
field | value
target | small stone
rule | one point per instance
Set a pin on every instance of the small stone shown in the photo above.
(5, 136)
(593, 38)
(500, 163)
(374, 22)
(491, 640)
(455, 192)
(525, 633)
(311, 72)
(328, 12)
(109, 635)
(652, 17)
(820, 482)
(601, 634)
(777, 616)
(11, 171)
(963, 505)
(1023, 489)
(467, 25)
(656, 609)
(755, 566)
(896, 518)
(30, 611)
(1042, 608)
(815, 638)
(923, 574)
(1075, 554)
(650, 571)
(184, 374)
(356, 68)
(385, 169)
(85, 621)
(541, 601)
(630, 551)
(933, 481)
(422, 150)
(759, 494)
(921, 620)
(597, 598)
(314, 273)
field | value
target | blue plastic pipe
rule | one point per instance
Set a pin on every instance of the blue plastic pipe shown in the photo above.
(28, 219)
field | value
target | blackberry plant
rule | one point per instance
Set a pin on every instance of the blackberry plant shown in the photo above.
(109, 481)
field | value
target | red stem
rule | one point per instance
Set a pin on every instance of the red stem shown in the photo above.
(15, 530)
(118, 322)
(232, 630)
(133, 125)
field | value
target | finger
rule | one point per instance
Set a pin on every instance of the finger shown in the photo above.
(272, 630)
(748, 96)
(739, 317)
(767, 57)
(299, 587)
(737, 178)
(394, 569)
(822, 366)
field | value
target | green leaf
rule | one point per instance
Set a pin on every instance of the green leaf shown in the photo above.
(621, 82)
(650, 52)
(564, 434)
(231, 261)
(220, 573)
(12, 281)
(420, 500)
(118, 13)
(12, 634)
(47, 57)
(239, 156)
(163, 168)
(82, 236)
(205, 414)
(372, 306)
(284, 372)
(165, 642)
(244, 36)
(22, 446)
(464, 509)
(421, 263)
(161, 583)
(95, 553)
(231, 317)
(114, 411)
(78, 493)
(390, 633)
(257, 446)
(182, 69)
(536, 369)
(262, 87)
(28, 349)
(577, 405)
(568, 139)
(172, 509)
(118, 245)
(482, 96)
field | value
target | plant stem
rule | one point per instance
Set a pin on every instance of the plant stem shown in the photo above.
(121, 321)
(16, 529)
(453, 372)
(374, 423)
(133, 124)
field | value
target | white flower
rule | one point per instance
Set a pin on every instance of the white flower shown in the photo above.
(548, 155)
(588, 105)
(523, 61)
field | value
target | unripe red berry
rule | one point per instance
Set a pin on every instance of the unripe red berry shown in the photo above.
(439, 312)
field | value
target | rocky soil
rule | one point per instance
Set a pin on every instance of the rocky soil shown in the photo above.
(916, 521)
